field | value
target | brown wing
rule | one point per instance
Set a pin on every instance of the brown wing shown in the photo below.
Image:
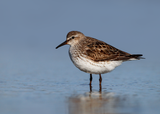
(100, 51)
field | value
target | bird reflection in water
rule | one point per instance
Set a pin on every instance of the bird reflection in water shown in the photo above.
(92, 102)
(102, 102)
(100, 88)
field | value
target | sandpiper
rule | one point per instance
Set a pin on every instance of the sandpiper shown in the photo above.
(94, 56)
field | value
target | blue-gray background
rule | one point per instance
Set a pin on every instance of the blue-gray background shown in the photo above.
(132, 26)
(33, 74)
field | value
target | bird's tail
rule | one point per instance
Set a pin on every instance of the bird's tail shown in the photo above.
(136, 57)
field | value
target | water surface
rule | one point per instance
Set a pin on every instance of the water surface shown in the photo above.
(47, 85)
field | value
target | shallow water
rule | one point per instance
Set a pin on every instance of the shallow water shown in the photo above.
(37, 79)
(46, 85)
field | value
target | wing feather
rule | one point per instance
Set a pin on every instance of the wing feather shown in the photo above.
(101, 51)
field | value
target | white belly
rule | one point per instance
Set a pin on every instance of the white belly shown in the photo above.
(92, 67)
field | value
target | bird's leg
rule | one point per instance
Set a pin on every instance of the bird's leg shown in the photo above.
(90, 87)
(100, 88)
(90, 79)
(90, 84)
(100, 79)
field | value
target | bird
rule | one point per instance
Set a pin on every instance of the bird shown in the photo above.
(93, 56)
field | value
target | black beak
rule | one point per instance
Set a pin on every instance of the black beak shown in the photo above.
(64, 43)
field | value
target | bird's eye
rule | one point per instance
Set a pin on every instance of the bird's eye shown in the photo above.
(73, 37)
